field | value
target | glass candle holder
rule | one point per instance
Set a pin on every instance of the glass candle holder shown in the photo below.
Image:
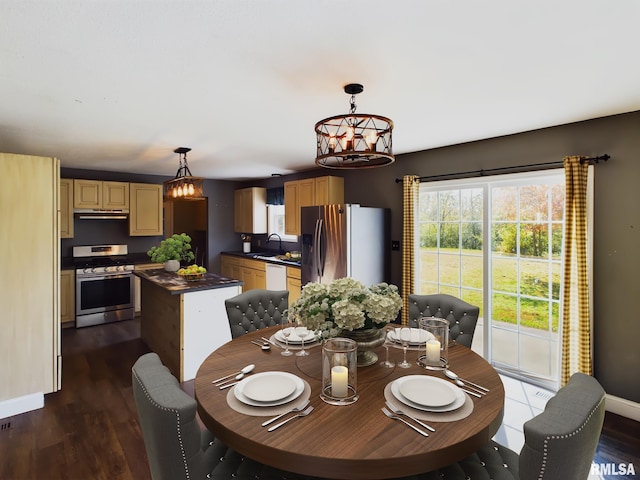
(436, 353)
(339, 371)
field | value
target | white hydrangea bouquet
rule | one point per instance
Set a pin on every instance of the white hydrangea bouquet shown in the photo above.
(345, 304)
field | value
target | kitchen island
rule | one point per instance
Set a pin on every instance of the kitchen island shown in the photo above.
(184, 321)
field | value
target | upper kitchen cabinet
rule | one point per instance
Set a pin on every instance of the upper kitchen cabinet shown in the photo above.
(66, 208)
(250, 210)
(100, 194)
(145, 216)
(308, 192)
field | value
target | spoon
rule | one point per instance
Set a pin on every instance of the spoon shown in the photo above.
(264, 346)
(457, 379)
(245, 370)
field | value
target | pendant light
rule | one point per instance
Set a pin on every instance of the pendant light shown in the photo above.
(184, 186)
(354, 140)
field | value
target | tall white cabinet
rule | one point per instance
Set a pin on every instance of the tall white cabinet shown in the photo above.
(30, 362)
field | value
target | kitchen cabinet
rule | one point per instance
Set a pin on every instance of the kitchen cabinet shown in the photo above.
(66, 208)
(145, 215)
(67, 298)
(250, 210)
(100, 194)
(252, 272)
(30, 358)
(308, 192)
(293, 284)
(136, 283)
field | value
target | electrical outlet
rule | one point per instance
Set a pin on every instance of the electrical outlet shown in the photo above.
(395, 245)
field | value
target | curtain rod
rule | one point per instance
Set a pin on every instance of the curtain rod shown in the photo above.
(515, 169)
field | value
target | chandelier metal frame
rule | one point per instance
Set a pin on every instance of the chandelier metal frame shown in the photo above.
(184, 186)
(354, 140)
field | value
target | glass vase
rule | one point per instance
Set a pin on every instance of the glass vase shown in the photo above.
(436, 353)
(339, 371)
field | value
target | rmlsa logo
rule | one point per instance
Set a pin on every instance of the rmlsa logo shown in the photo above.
(612, 469)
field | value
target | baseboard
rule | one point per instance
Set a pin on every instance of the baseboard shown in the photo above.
(18, 405)
(623, 407)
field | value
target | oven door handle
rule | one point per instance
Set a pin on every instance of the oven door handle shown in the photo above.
(89, 276)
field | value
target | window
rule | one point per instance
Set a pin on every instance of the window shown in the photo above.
(275, 223)
(497, 243)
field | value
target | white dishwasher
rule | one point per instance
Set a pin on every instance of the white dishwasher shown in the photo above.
(276, 277)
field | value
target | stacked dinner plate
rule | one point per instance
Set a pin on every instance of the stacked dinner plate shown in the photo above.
(418, 337)
(294, 339)
(269, 389)
(427, 393)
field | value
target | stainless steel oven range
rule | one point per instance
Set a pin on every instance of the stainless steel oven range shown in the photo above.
(104, 284)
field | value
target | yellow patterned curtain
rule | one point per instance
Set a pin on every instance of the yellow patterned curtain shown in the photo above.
(411, 185)
(576, 315)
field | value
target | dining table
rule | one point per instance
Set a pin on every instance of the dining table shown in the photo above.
(344, 442)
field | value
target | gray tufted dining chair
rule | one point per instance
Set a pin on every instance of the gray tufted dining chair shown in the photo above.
(559, 444)
(256, 309)
(177, 448)
(462, 316)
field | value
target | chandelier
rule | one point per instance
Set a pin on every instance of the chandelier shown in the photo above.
(184, 186)
(355, 140)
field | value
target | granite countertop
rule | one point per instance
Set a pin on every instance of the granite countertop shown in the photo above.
(268, 257)
(176, 285)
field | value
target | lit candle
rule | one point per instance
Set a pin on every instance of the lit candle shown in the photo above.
(372, 139)
(433, 351)
(339, 382)
(332, 143)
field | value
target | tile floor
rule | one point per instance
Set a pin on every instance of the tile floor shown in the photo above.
(522, 402)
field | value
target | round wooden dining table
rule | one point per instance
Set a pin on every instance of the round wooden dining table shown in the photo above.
(346, 442)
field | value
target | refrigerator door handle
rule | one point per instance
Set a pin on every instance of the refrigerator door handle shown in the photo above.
(316, 249)
(322, 254)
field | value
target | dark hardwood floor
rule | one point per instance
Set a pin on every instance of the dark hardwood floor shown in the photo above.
(89, 430)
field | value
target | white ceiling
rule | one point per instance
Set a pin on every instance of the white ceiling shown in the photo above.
(117, 85)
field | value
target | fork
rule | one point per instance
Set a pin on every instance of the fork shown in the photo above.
(296, 409)
(396, 417)
(304, 413)
(397, 411)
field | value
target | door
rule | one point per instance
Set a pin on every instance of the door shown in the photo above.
(324, 243)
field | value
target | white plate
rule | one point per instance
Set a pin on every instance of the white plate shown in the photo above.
(418, 336)
(268, 389)
(427, 391)
(460, 397)
(294, 338)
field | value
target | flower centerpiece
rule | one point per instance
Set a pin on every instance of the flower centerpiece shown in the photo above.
(347, 307)
(172, 250)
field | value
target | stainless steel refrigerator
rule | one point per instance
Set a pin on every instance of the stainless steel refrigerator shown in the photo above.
(344, 241)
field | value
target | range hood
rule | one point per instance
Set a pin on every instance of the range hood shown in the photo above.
(100, 214)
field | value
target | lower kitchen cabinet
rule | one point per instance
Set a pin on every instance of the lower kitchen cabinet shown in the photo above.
(67, 298)
(252, 272)
(136, 284)
(293, 284)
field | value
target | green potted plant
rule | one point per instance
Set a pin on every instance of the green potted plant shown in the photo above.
(172, 251)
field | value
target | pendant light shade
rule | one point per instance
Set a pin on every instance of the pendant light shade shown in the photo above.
(184, 186)
(355, 140)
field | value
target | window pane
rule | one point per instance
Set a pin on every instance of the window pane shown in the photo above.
(471, 201)
(534, 240)
(504, 238)
(504, 275)
(504, 201)
(534, 203)
(471, 271)
(428, 206)
(534, 278)
(428, 235)
(449, 235)
(505, 308)
(449, 269)
(449, 206)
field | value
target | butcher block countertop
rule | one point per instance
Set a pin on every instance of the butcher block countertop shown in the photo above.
(176, 285)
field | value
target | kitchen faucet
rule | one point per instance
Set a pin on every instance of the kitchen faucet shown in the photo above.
(279, 238)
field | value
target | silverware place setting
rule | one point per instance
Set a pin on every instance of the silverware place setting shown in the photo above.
(304, 413)
(467, 386)
(397, 411)
(293, 410)
(398, 417)
(246, 370)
